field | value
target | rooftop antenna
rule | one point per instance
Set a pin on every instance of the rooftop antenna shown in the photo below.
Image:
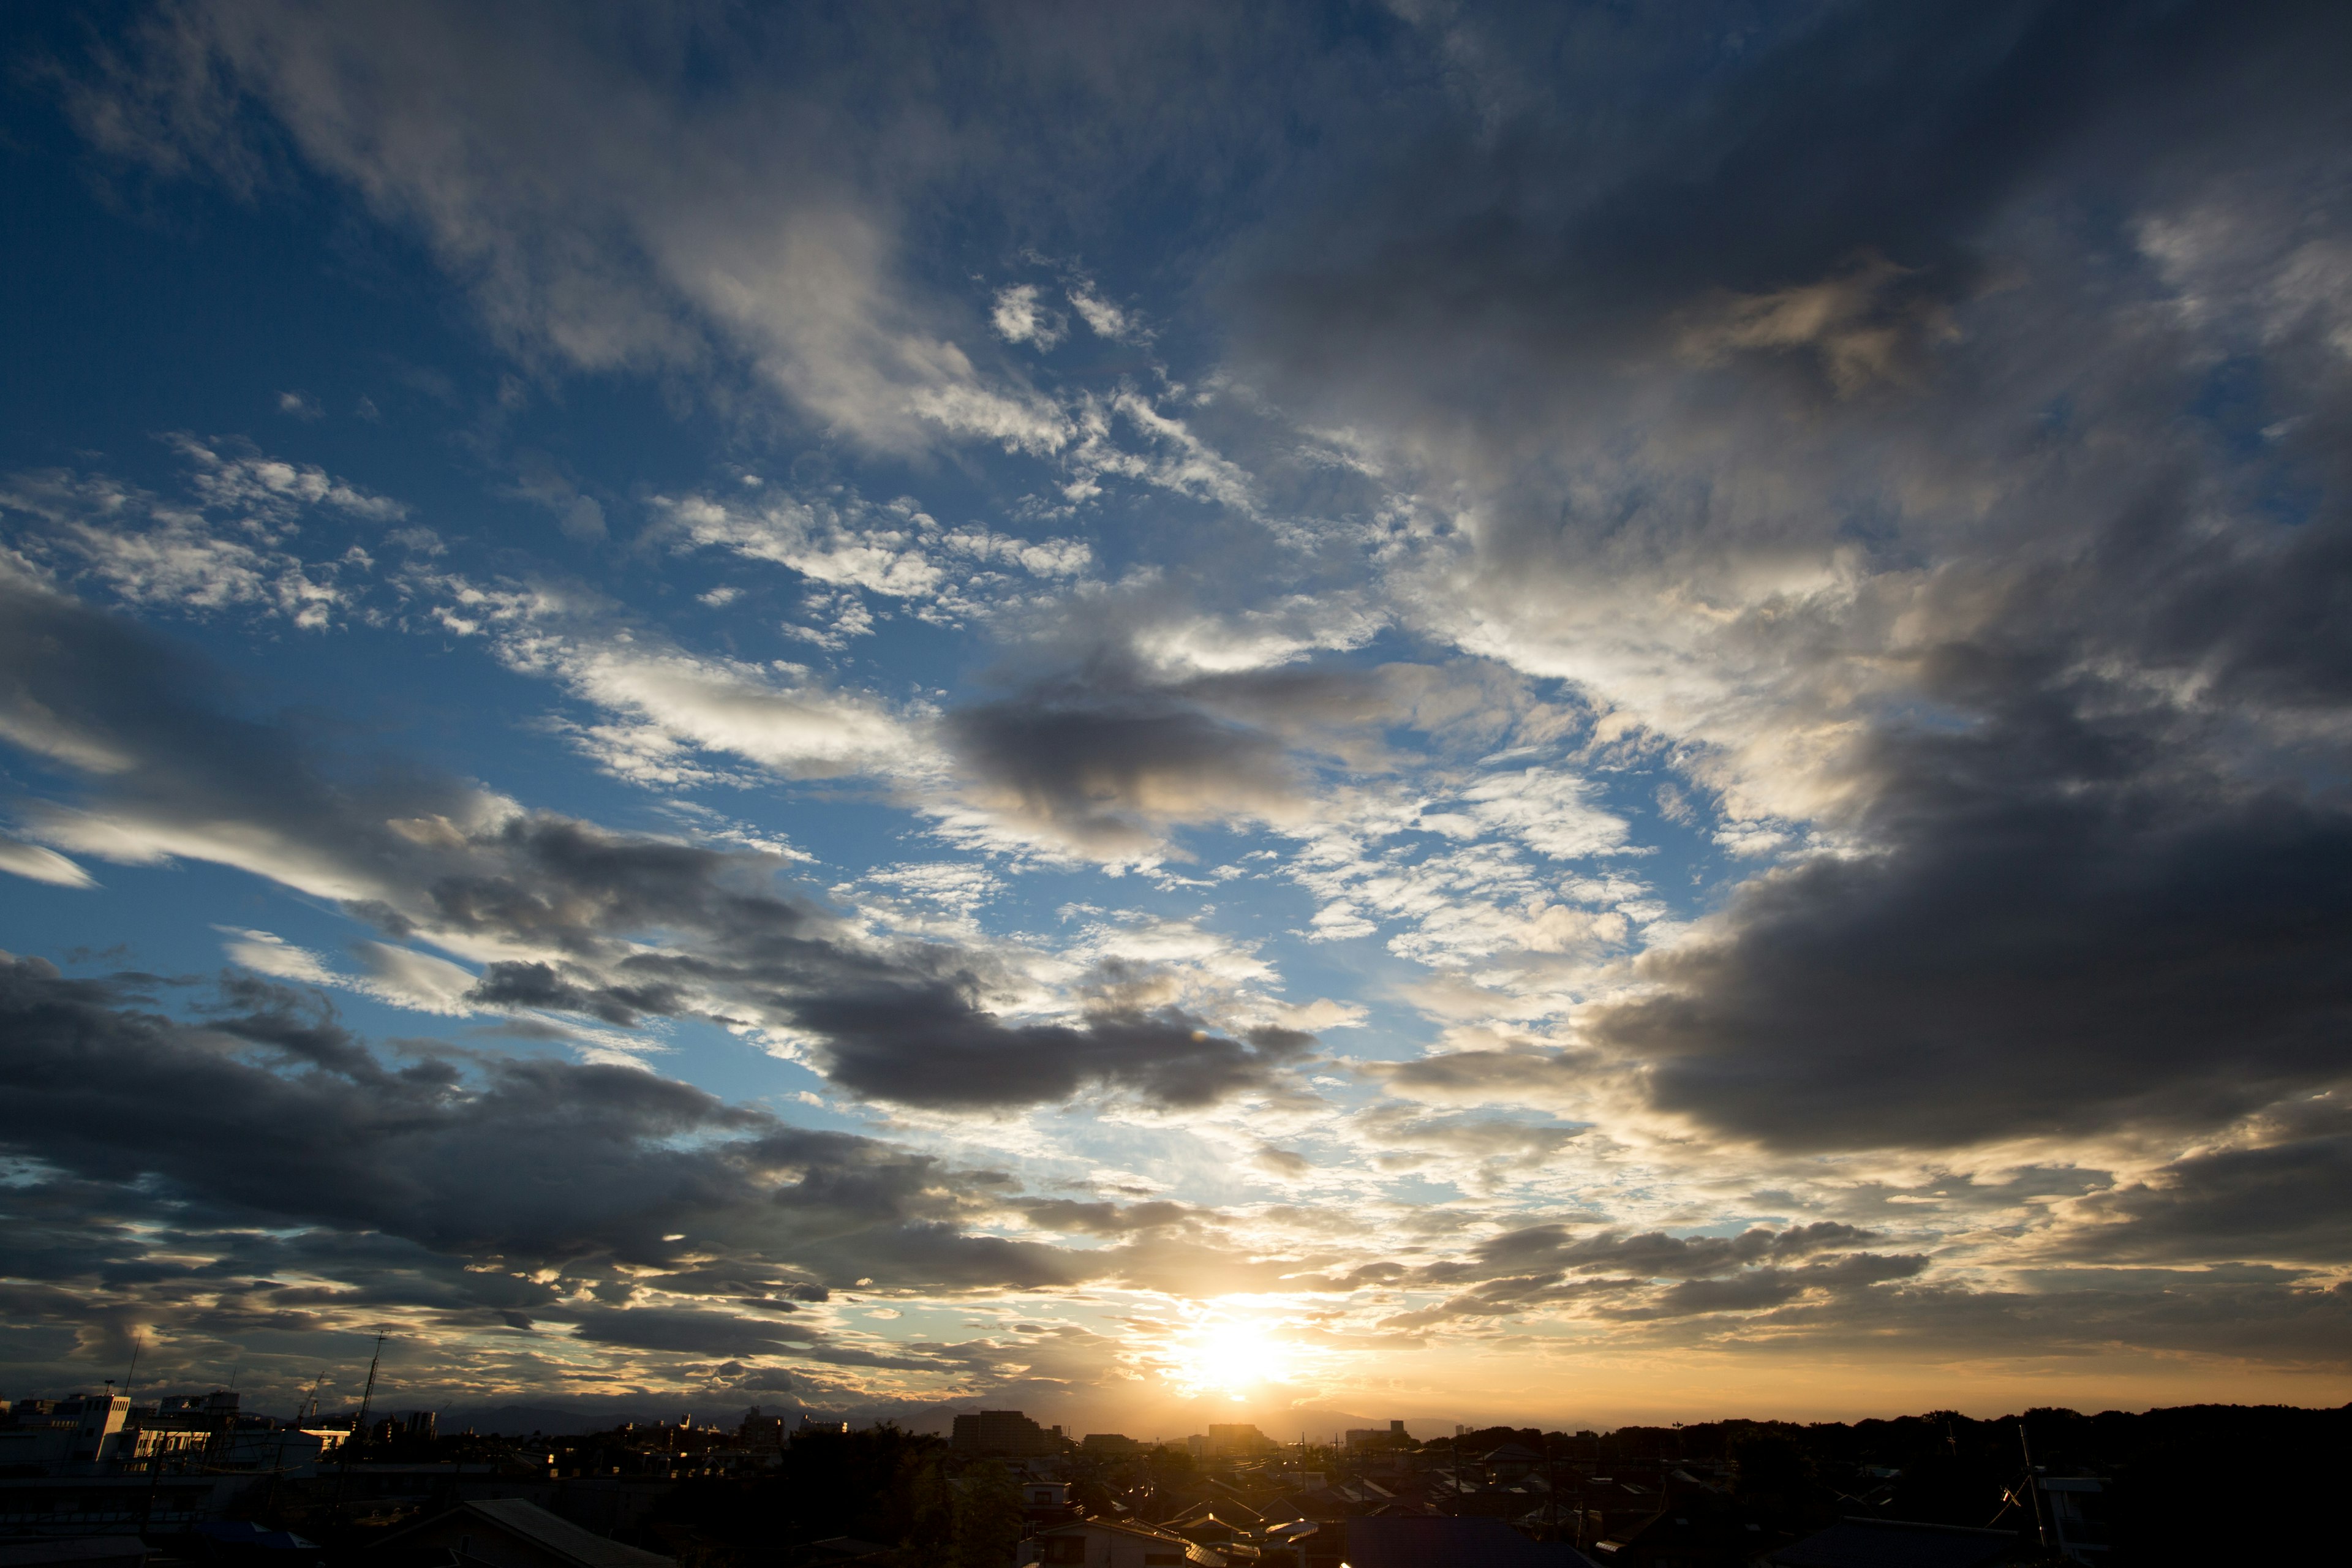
(137, 1341)
(308, 1411)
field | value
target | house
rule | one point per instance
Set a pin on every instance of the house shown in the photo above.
(2076, 1507)
(508, 1532)
(1896, 1544)
(1511, 1461)
(1391, 1541)
(1204, 1528)
(1303, 1543)
(240, 1540)
(76, 1552)
(1687, 1537)
(1109, 1544)
(1232, 1511)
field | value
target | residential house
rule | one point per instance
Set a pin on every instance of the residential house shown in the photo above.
(508, 1532)
(1108, 1543)
(1896, 1544)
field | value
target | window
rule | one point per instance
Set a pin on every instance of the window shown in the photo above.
(1066, 1549)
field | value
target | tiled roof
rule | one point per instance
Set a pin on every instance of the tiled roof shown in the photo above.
(518, 1516)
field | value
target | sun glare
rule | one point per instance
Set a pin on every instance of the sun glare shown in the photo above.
(1229, 1356)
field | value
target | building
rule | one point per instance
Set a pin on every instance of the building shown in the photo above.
(76, 1552)
(1361, 1437)
(2076, 1508)
(85, 1504)
(508, 1532)
(1511, 1462)
(85, 1430)
(1437, 1541)
(1103, 1543)
(1241, 1438)
(1896, 1544)
(1109, 1445)
(1303, 1543)
(1002, 1434)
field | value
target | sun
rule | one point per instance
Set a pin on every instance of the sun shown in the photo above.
(1230, 1356)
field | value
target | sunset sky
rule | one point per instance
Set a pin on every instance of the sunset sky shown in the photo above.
(1568, 713)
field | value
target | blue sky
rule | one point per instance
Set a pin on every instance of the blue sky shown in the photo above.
(1555, 714)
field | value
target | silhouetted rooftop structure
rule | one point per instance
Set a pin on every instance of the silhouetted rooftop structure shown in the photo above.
(1896, 1544)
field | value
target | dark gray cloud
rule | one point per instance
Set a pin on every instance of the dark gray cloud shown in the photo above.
(2289, 1201)
(528, 1159)
(905, 1020)
(931, 1047)
(1934, 302)
(254, 1181)
(1503, 253)
(1109, 757)
(1645, 1278)
(2050, 956)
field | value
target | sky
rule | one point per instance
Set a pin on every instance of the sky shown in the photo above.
(1569, 714)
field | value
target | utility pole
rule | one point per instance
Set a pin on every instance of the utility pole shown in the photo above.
(2034, 1490)
(367, 1396)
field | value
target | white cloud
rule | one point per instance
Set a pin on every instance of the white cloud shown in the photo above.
(1105, 319)
(771, 715)
(264, 952)
(414, 980)
(36, 864)
(896, 551)
(233, 547)
(1018, 318)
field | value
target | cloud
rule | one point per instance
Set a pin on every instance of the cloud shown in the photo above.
(930, 1045)
(36, 864)
(1106, 759)
(1019, 318)
(1904, 445)
(1648, 1278)
(230, 549)
(1107, 774)
(560, 907)
(1854, 322)
(2288, 1201)
(2062, 935)
(542, 158)
(526, 1160)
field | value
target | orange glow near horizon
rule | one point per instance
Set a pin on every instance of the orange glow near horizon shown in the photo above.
(1228, 1355)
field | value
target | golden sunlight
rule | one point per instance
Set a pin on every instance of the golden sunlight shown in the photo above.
(1228, 1355)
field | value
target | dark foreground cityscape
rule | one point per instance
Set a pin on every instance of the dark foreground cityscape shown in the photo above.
(97, 1481)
